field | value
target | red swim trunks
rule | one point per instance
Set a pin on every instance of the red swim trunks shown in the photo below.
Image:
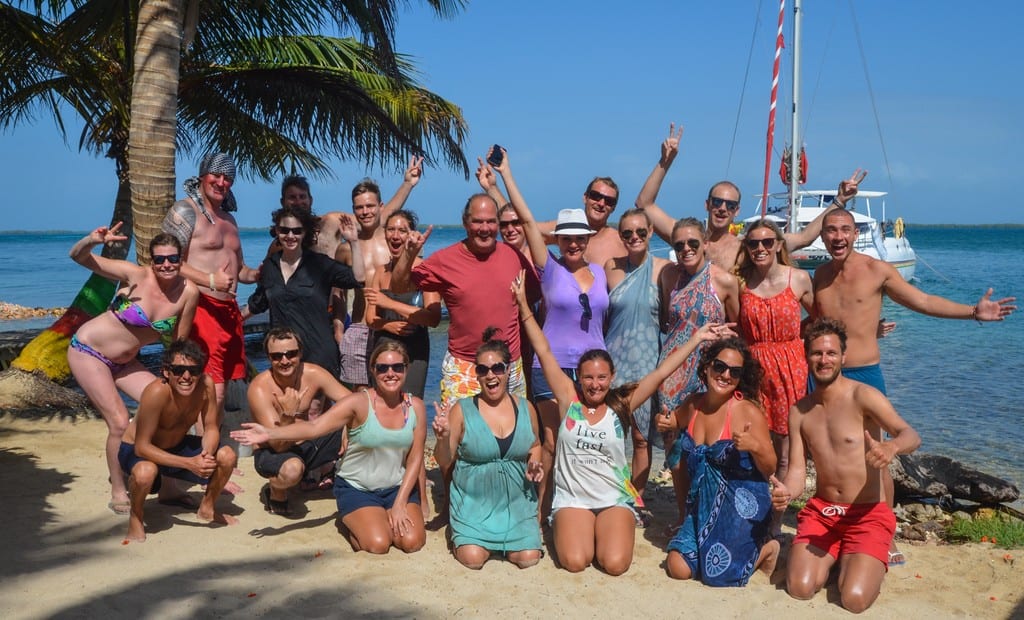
(217, 327)
(839, 529)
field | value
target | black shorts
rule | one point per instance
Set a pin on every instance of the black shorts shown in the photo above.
(312, 453)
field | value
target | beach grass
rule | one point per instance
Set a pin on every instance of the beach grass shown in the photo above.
(1001, 530)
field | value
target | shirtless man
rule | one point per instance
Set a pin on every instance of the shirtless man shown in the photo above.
(156, 442)
(204, 225)
(848, 519)
(277, 397)
(723, 204)
(370, 212)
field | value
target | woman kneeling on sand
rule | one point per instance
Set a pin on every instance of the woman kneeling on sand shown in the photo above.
(376, 476)
(593, 514)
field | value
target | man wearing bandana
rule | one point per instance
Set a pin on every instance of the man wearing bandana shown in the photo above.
(204, 225)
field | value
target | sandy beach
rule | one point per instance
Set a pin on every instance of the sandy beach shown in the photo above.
(64, 557)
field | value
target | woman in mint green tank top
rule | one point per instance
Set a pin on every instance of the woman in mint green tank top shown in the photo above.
(376, 477)
(491, 439)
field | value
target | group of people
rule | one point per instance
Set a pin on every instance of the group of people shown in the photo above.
(553, 358)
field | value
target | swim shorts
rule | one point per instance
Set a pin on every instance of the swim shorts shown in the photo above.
(351, 499)
(840, 529)
(217, 327)
(458, 379)
(871, 375)
(312, 453)
(541, 389)
(190, 446)
(355, 351)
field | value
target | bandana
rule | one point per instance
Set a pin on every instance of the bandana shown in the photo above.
(213, 163)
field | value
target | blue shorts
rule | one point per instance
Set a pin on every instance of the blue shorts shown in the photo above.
(869, 375)
(351, 499)
(190, 446)
(541, 389)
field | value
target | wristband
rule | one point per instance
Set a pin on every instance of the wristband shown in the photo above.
(974, 314)
(213, 286)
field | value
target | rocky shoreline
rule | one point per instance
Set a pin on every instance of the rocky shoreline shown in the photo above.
(14, 312)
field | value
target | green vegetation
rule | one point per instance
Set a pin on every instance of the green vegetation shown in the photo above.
(1001, 530)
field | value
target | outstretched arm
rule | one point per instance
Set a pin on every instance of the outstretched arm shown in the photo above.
(847, 190)
(649, 384)
(645, 200)
(534, 237)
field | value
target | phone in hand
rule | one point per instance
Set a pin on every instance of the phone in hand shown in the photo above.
(496, 156)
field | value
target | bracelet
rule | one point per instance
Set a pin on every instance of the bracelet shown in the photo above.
(526, 318)
(213, 285)
(974, 314)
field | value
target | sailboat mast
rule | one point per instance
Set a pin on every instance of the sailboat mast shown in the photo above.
(794, 162)
(771, 110)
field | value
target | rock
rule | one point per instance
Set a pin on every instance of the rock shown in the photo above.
(963, 516)
(930, 475)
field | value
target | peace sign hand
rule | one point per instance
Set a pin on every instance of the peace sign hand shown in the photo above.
(670, 147)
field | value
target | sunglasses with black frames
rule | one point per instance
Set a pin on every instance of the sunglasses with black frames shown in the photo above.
(277, 356)
(722, 368)
(397, 367)
(752, 244)
(679, 246)
(588, 313)
(173, 259)
(497, 369)
(179, 369)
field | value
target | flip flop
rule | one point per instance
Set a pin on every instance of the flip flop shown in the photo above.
(121, 508)
(274, 506)
(896, 558)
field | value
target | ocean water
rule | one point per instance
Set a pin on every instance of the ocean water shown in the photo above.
(956, 382)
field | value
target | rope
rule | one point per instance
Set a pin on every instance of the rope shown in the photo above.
(746, 76)
(934, 270)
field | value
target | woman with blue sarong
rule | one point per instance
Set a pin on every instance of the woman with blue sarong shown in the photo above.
(729, 457)
(633, 337)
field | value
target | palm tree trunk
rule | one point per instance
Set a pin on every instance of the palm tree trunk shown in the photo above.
(151, 142)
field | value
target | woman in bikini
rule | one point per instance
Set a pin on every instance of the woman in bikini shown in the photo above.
(772, 292)
(592, 513)
(728, 457)
(153, 303)
(375, 485)
(492, 440)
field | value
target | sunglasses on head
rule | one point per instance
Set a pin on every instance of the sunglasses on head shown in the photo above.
(174, 259)
(284, 230)
(280, 355)
(628, 234)
(679, 246)
(397, 367)
(597, 196)
(585, 302)
(731, 205)
(507, 223)
(722, 368)
(497, 369)
(752, 244)
(179, 369)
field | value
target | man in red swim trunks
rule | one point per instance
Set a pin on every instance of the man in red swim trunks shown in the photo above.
(847, 520)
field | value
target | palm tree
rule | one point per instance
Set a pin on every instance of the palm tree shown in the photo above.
(250, 84)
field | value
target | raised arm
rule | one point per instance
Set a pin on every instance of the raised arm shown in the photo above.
(562, 386)
(489, 183)
(413, 174)
(448, 428)
(847, 190)
(645, 200)
(649, 384)
(534, 236)
(401, 275)
(110, 268)
(348, 229)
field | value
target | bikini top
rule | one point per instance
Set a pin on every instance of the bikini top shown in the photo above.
(132, 314)
(726, 428)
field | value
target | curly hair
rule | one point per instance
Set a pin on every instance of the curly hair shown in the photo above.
(750, 378)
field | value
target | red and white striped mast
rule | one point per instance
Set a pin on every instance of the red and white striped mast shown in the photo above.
(771, 110)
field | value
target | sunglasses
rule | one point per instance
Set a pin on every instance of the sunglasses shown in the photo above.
(588, 313)
(280, 355)
(731, 205)
(597, 196)
(628, 234)
(497, 369)
(397, 367)
(679, 246)
(159, 259)
(507, 223)
(752, 244)
(284, 230)
(722, 368)
(179, 369)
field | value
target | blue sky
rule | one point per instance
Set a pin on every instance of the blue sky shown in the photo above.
(578, 89)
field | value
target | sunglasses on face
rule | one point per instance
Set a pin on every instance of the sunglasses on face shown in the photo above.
(174, 259)
(722, 368)
(497, 369)
(397, 367)
(679, 246)
(752, 244)
(284, 230)
(628, 234)
(731, 205)
(280, 355)
(507, 223)
(585, 302)
(597, 196)
(179, 369)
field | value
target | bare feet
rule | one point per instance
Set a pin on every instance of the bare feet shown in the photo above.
(212, 516)
(232, 488)
(136, 532)
(769, 557)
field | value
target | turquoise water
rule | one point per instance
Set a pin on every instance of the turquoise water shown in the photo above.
(956, 382)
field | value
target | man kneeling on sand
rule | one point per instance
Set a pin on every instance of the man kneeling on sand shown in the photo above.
(157, 442)
(847, 521)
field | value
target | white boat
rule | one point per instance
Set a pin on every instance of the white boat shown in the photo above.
(796, 208)
(873, 239)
